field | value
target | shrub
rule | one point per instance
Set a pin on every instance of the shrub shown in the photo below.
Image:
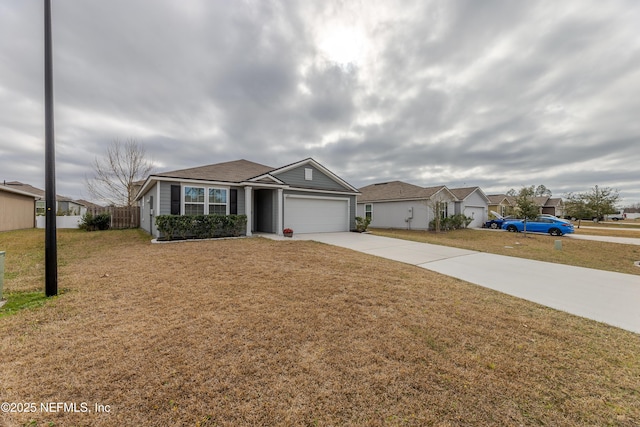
(454, 222)
(200, 226)
(362, 224)
(90, 222)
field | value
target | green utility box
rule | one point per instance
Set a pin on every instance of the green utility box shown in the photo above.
(1, 272)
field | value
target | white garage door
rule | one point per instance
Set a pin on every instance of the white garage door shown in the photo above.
(316, 215)
(477, 214)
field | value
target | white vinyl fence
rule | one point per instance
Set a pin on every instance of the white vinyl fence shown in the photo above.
(72, 221)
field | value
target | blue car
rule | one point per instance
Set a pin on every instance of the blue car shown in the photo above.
(542, 224)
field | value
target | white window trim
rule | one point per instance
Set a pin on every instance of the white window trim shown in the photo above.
(308, 174)
(183, 197)
(206, 197)
(370, 210)
(209, 202)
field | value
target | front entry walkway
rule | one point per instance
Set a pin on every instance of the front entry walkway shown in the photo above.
(608, 297)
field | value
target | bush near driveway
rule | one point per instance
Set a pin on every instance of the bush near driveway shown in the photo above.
(259, 332)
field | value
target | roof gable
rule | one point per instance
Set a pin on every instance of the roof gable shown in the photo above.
(464, 193)
(288, 174)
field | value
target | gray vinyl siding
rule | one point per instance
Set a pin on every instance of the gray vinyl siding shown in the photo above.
(146, 220)
(295, 178)
(242, 208)
(274, 212)
(352, 202)
(164, 205)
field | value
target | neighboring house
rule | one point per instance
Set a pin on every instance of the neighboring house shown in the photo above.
(551, 205)
(506, 205)
(17, 209)
(399, 204)
(472, 203)
(64, 205)
(501, 204)
(304, 196)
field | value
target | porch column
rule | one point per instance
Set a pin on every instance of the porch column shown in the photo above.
(248, 206)
(280, 225)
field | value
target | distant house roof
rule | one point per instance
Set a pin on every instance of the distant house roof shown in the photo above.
(496, 199)
(88, 204)
(398, 190)
(463, 193)
(554, 201)
(25, 188)
(30, 189)
(8, 189)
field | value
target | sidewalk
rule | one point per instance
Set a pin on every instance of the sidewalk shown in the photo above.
(622, 240)
(604, 296)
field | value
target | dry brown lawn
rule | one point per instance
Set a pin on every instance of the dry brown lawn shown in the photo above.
(258, 332)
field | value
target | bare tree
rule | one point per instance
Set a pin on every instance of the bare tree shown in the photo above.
(116, 173)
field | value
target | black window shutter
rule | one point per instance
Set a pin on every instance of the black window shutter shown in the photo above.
(175, 200)
(233, 202)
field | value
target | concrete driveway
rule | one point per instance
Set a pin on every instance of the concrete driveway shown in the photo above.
(612, 298)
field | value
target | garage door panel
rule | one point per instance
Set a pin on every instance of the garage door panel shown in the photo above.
(477, 215)
(309, 215)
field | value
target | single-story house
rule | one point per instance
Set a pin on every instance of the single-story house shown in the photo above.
(506, 205)
(303, 196)
(399, 204)
(17, 209)
(64, 205)
(501, 204)
(551, 205)
(472, 203)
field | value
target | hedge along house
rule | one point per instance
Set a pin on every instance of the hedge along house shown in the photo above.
(304, 196)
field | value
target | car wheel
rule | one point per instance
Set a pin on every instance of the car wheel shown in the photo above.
(494, 225)
(555, 232)
(512, 228)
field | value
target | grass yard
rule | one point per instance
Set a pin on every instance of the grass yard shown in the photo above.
(581, 253)
(260, 332)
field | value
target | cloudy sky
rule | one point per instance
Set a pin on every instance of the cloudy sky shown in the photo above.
(498, 94)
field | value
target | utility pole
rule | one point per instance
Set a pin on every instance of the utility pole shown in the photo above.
(51, 245)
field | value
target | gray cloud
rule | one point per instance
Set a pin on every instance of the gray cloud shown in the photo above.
(495, 93)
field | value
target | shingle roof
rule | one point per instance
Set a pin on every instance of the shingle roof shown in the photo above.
(554, 201)
(234, 171)
(25, 188)
(495, 199)
(463, 193)
(13, 190)
(396, 190)
(34, 190)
